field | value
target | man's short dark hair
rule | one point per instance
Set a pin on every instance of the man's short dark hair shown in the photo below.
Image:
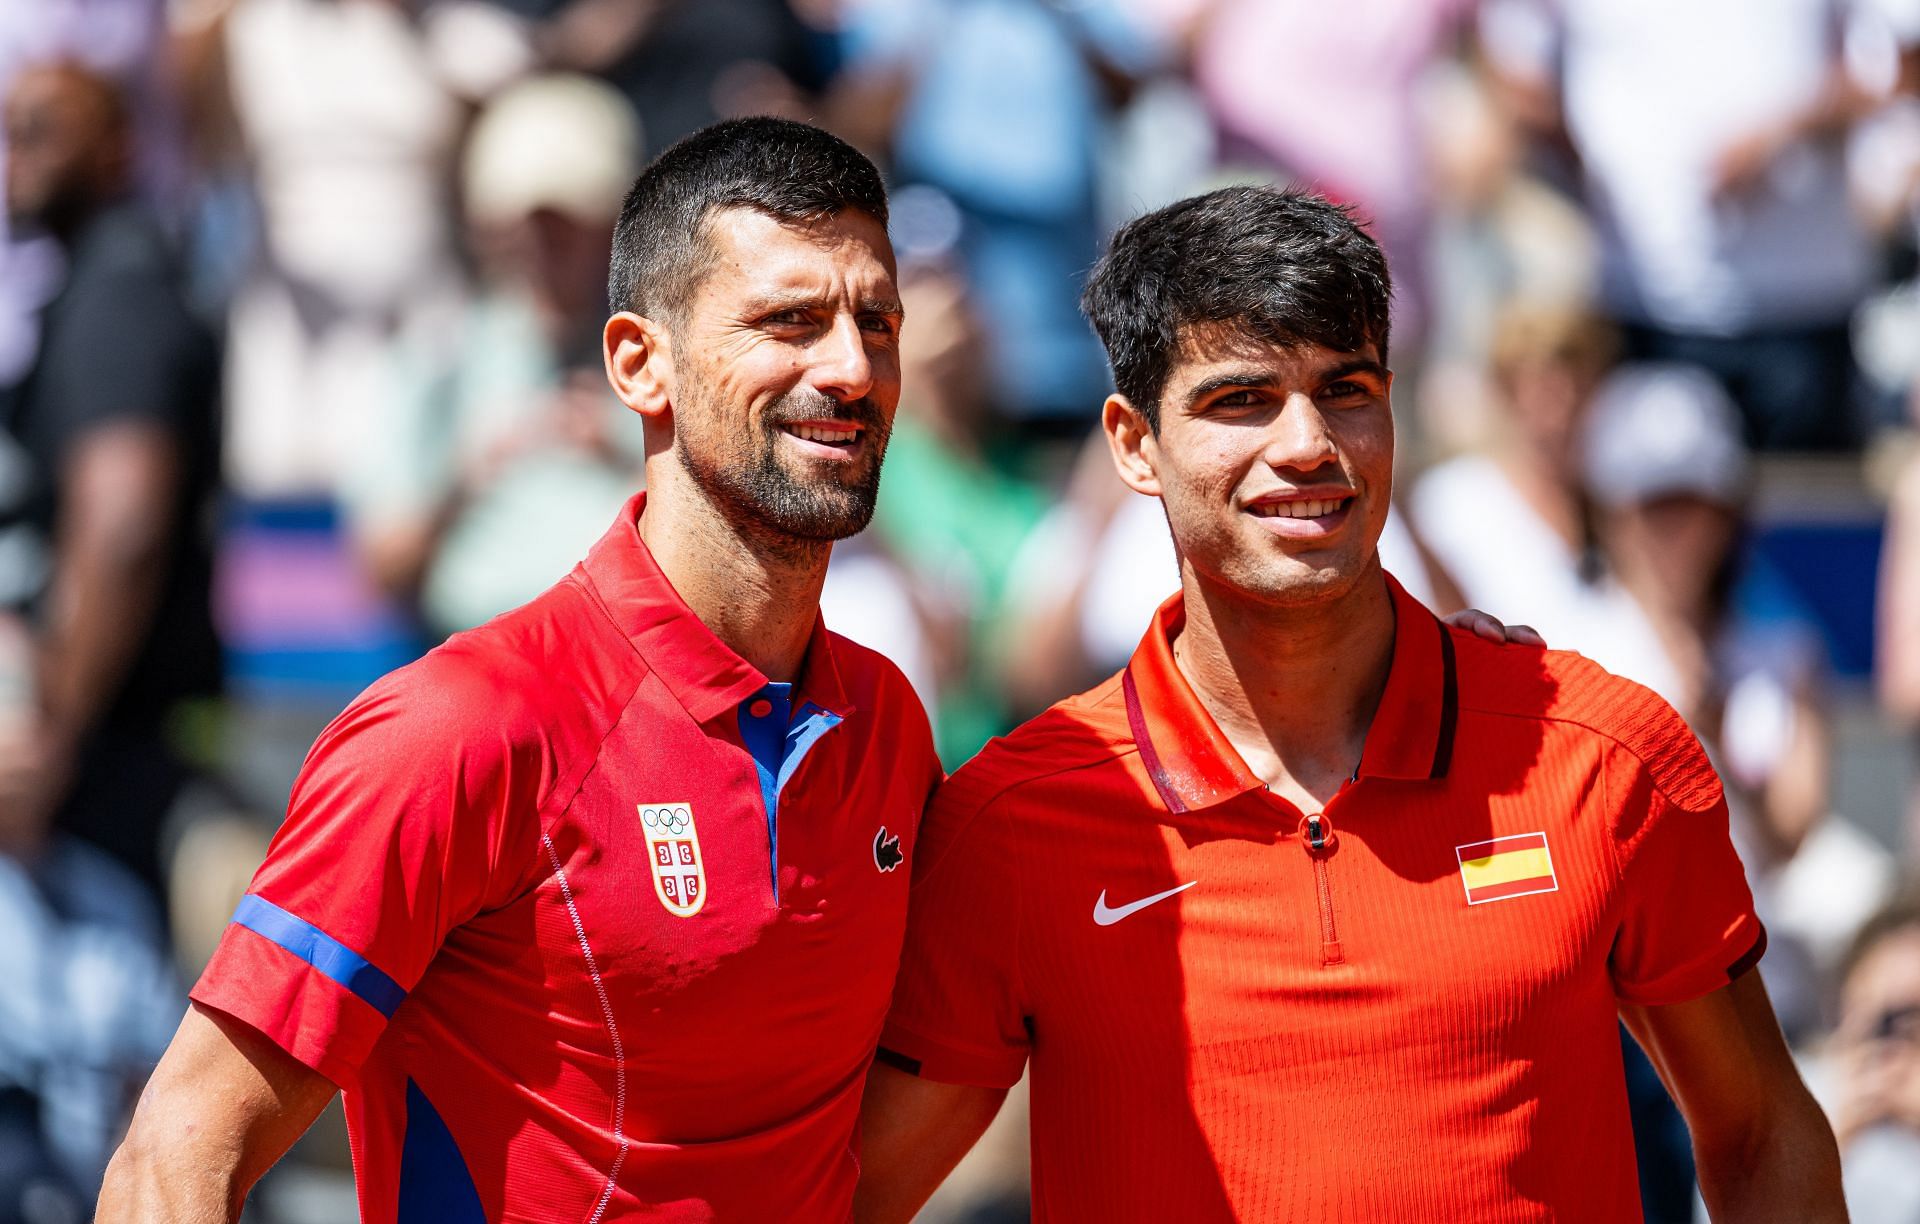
(1288, 266)
(788, 170)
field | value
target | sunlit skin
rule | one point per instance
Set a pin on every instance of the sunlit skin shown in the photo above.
(790, 327)
(1247, 427)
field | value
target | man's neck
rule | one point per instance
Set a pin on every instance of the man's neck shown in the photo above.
(759, 596)
(1293, 689)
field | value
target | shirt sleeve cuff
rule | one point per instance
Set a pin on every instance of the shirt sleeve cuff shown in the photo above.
(1738, 952)
(293, 1004)
(936, 1060)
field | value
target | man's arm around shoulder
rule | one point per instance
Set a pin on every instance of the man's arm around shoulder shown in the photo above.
(1763, 1148)
(222, 1106)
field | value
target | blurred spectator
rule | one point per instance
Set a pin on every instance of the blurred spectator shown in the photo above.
(122, 40)
(1328, 97)
(348, 124)
(1897, 620)
(1500, 237)
(1002, 105)
(948, 510)
(111, 458)
(1713, 137)
(1511, 525)
(1875, 1053)
(87, 1003)
(685, 65)
(1667, 467)
(107, 466)
(501, 454)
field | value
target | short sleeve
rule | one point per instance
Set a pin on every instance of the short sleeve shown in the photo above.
(416, 809)
(1688, 925)
(162, 369)
(959, 1014)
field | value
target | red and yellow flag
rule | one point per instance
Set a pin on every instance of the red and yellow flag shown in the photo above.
(1506, 867)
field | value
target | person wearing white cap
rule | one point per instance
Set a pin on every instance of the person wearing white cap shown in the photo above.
(502, 454)
(1669, 475)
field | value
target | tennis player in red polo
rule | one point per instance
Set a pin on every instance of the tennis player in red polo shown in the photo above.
(1320, 909)
(593, 913)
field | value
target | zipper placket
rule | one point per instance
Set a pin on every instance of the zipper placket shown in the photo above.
(1319, 842)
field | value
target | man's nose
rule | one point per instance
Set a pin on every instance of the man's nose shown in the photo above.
(841, 365)
(1300, 437)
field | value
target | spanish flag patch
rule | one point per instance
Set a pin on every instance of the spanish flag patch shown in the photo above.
(1506, 867)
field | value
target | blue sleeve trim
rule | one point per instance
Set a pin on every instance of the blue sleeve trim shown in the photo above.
(322, 951)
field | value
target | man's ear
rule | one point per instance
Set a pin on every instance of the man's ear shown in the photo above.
(1132, 443)
(639, 361)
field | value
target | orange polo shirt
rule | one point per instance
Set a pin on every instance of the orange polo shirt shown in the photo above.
(1400, 1008)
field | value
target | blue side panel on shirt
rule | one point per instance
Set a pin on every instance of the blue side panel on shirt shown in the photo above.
(321, 950)
(435, 1186)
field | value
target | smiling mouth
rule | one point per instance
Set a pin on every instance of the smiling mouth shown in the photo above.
(1319, 508)
(835, 435)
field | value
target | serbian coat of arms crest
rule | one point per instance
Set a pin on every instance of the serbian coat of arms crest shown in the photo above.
(673, 845)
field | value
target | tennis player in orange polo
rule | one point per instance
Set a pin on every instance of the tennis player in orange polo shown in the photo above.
(1320, 909)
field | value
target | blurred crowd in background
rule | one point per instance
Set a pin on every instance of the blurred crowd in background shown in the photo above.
(300, 305)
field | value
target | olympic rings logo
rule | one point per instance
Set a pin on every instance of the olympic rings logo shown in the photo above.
(668, 820)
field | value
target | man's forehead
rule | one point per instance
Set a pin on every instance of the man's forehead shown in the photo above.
(757, 251)
(751, 230)
(1205, 347)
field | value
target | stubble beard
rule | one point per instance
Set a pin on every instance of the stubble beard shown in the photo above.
(747, 482)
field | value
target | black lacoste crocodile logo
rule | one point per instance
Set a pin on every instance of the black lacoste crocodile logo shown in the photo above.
(886, 850)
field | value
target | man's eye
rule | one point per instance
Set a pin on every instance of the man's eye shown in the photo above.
(1344, 389)
(1237, 399)
(788, 318)
(878, 324)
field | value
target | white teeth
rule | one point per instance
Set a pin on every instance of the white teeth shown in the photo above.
(816, 433)
(1298, 509)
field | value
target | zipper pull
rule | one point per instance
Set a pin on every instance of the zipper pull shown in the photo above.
(1320, 847)
(1319, 833)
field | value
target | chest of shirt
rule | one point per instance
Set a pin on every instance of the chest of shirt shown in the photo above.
(1415, 914)
(714, 940)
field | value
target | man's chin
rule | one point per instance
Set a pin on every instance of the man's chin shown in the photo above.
(818, 514)
(1301, 581)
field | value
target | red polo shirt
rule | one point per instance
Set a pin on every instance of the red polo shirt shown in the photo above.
(1400, 1008)
(589, 920)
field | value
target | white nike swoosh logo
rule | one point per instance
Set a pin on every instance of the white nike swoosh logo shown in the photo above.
(1105, 915)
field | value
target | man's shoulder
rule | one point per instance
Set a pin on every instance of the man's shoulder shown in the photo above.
(1571, 690)
(1059, 745)
(552, 671)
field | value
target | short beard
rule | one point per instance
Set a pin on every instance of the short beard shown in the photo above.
(747, 483)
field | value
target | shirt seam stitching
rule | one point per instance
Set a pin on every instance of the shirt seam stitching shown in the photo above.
(552, 810)
(1653, 779)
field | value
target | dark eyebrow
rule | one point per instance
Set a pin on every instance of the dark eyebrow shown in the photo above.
(1263, 379)
(1231, 378)
(775, 303)
(1360, 365)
